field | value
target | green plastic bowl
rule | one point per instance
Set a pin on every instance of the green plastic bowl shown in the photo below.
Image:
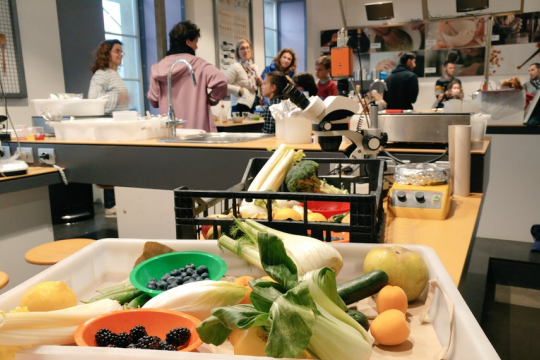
(159, 265)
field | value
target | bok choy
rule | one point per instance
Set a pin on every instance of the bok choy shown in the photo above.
(298, 313)
(306, 253)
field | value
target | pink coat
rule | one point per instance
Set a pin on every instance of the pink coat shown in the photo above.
(189, 103)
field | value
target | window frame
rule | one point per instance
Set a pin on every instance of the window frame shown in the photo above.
(138, 59)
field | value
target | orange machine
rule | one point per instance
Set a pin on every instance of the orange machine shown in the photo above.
(342, 62)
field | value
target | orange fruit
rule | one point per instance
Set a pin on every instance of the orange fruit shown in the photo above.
(390, 328)
(244, 281)
(392, 297)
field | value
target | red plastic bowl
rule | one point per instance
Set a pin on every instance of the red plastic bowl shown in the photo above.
(328, 208)
(157, 322)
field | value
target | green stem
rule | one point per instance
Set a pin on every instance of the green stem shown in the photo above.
(246, 251)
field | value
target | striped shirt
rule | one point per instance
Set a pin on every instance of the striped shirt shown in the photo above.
(108, 82)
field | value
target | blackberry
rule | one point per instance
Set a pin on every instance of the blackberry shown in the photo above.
(148, 342)
(164, 345)
(178, 336)
(123, 340)
(105, 337)
(136, 333)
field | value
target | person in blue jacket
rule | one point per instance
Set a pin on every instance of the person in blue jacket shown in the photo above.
(402, 84)
(285, 62)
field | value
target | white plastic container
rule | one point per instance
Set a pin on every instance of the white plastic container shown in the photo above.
(125, 115)
(108, 130)
(478, 126)
(297, 130)
(109, 261)
(280, 129)
(71, 107)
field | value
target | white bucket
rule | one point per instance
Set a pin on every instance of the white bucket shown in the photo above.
(297, 130)
(280, 129)
(478, 126)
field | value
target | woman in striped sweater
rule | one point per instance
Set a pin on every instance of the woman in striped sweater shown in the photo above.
(106, 80)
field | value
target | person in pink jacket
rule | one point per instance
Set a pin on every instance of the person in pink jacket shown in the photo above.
(190, 103)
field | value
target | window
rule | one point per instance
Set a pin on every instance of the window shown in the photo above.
(121, 22)
(270, 31)
(285, 27)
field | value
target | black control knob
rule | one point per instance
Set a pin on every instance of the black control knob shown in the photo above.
(402, 196)
(420, 197)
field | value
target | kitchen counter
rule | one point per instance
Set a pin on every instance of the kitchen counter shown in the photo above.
(452, 239)
(478, 147)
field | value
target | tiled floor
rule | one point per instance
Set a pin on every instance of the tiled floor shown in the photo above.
(507, 325)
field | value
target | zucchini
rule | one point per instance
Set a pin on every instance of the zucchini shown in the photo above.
(359, 318)
(362, 287)
(138, 302)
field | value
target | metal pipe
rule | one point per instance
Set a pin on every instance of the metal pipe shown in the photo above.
(171, 116)
(489, 25)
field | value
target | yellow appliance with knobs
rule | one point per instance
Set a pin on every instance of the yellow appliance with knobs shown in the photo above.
(420, 191)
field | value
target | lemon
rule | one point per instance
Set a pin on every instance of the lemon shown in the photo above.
(49, 296)
(316, 217)
(286, 214)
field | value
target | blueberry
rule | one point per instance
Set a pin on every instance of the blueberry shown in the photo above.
(182, 269)
(152, 286)
(185, 279)
(162, 285)
(190, 281)
(183, 274)
(171, 279)
(198, 278)
(175, 272)
(171, 286)
(190, 271)
(205, 275)
(190, 266)
(164, 277)
(202, 269)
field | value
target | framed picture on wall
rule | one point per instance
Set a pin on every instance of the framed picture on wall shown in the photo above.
(11, 62)
(232, 22)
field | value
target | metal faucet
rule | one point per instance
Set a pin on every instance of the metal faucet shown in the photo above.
(172, 122)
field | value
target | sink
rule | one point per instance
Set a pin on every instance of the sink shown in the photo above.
(216, 138)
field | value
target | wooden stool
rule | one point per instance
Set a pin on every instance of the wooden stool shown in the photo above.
(4, 279)
(52, 252)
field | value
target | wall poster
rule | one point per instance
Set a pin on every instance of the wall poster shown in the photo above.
(11, 63)
(232, 23)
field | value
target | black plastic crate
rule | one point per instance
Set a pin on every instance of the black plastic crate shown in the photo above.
(367, 215)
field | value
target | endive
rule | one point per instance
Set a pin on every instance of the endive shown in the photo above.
(199, 298)
(22, 329)
(307, 253)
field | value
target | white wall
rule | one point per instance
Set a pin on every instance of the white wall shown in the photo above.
(40, 40)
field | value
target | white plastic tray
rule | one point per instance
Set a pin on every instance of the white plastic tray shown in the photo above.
(71, 107)
(110, 261)
(108, 130)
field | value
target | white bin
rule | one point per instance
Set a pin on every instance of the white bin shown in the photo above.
(109, 261)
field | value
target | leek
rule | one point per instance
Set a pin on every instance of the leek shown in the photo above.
(198, 298)
(307, 253)
(273, 173)
(301, 313)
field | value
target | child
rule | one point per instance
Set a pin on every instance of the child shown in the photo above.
(272, 88)
(306, 82)
(453, 91)
(327, 87)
